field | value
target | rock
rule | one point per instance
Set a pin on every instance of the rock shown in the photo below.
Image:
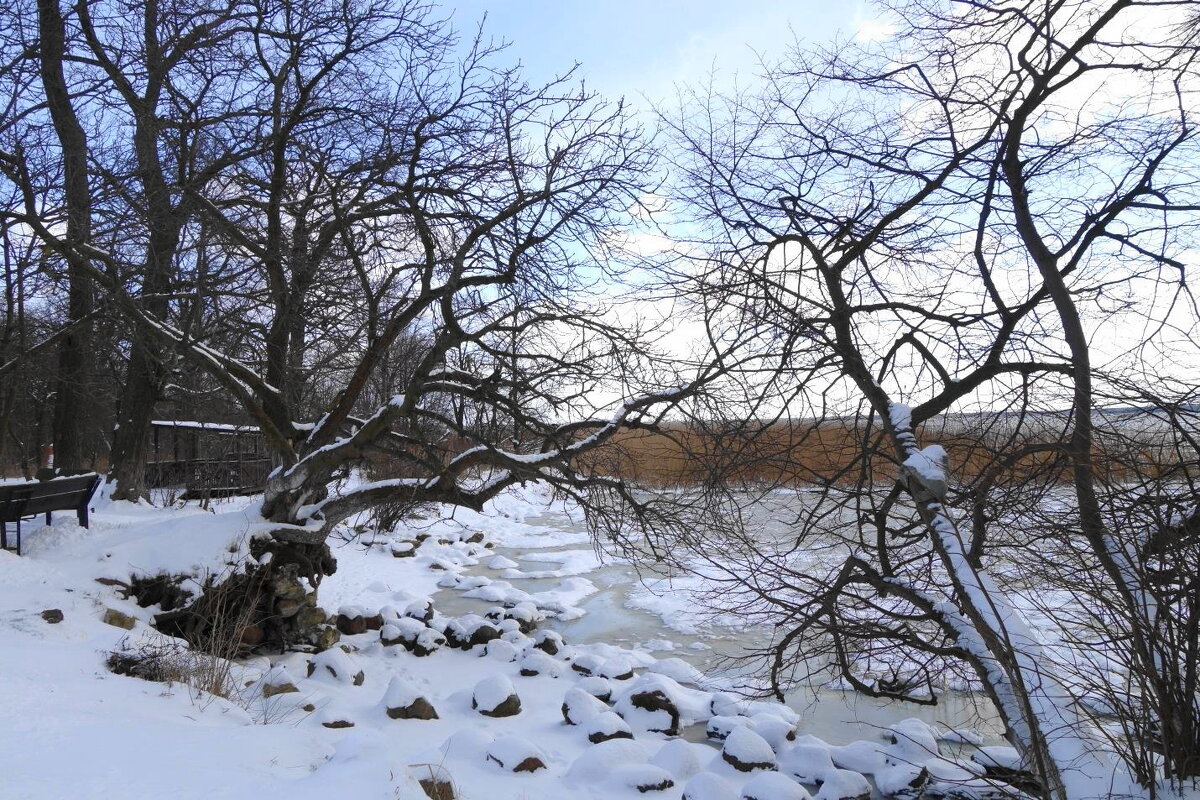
(338, 723)
(413, 635)
(773, 786)
(403, 550)
(53, 615)
(579, 706)
(251, 635)
(844, 784)
(118, 619)
(420, 610)
(746, 751)
(277, 681)
(500, 650)
(548, 642)
(587, 663)
(719, 727)
(351, 625)
(515, 754)
(287, 607)
(482, 635)
(495, 697)
(374, 622)
(778, 732)
(657, 703)
(619, 668)
(336, 664)
(606, 725)
(535, 662)
(902, 781)
(806, 762)
(325, 637)
(597, 687)
(643, 777)
(403, 701)
(310, 617)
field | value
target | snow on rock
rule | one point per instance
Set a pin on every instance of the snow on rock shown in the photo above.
(903, 781)
(844, 784)
(724, 704)
(778, 732)
(617, 669)
(709, 786)
(495, 696)
(578, 706)
(411, 634)
(642, 778)
(682, 758)
(500, 562)
(597, 763)
(500, 650)
(536, 662)
(597, 687)
(604, 726)
(277, 681)
(773, 786)
(746, 751)
(402, 700)
(961, 736)
(516, 754)
(550, 642)
(913, 739)
(433, 779)
(806, 763)
(587, 663)
(334, 664)
(657, 703)
(719, 727)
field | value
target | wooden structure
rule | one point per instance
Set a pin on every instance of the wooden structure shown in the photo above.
(30, 498)
(207, 459)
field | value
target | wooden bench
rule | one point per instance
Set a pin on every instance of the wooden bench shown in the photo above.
(21, 500)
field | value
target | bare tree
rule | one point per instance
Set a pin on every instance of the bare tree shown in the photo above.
(939, 237)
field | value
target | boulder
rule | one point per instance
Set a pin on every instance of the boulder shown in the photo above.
(515, 754)
(606, 725)
(579, 706)
(53, 615)
(496, 697)
(403, 701)
(746, 751)
(773, 786)
(664, 716)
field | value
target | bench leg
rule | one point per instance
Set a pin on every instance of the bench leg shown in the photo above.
(47, 517)
(3, 535)
(18, 537)
(82, 514)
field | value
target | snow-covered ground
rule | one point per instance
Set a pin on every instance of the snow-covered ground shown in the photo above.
(619, 710)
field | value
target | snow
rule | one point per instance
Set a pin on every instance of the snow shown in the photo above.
(78, 730)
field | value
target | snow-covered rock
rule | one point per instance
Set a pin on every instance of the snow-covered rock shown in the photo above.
(334, 664)
(806, 763)
(844, 784)
(746, 751)
(604, 726)
(578, 706)
(495, 696)
(597, 763)
(642, 778)
(516, 754)
(402, 700)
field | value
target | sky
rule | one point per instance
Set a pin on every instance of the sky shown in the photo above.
(643, 48)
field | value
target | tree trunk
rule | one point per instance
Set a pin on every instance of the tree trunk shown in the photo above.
(71, 399)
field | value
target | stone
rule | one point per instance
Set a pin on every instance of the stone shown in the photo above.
(288, 607)
(351, 626)
(746, 751)
(482, 635)
(338, 723)
(251, 635)
(374, 622)
(310, 617)
(325, 637)
(118, 619)
(283, 688)
(658, 701)
(420, 708)
(53, 615)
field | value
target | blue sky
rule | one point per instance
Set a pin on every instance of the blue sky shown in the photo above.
(635, 47)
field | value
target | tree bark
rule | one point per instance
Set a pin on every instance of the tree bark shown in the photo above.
(71, 399)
